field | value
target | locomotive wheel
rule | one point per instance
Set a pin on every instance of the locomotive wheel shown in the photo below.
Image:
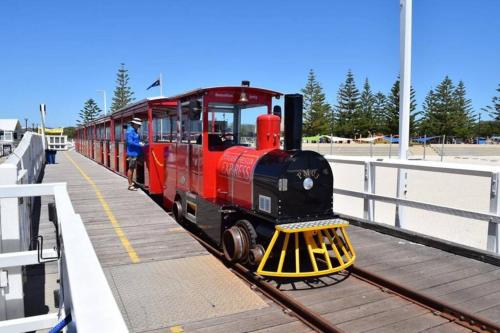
(177, 210)
(250, 235)
(233, 243)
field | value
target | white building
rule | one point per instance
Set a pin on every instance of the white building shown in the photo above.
(10, 132)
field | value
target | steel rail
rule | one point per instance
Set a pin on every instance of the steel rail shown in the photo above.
(299, 310)
(436, 306)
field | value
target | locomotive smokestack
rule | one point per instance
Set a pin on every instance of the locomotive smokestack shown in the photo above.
(293, 121)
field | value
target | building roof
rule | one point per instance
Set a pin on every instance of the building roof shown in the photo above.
(9, 124)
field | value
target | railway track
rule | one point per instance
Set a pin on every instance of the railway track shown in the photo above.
(301, 306)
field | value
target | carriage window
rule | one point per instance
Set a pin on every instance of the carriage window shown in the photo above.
(248, 128)
(144, 131)
(118, 130)
(232, 124)
(222, 132)
(164, 129)
(191, 129)
(107, 132)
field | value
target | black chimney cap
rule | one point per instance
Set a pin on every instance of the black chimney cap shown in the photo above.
(245, 83)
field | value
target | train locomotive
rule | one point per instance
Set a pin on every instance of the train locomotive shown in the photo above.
(217, 153)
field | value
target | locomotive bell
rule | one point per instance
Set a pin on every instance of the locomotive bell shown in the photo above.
(243, 97)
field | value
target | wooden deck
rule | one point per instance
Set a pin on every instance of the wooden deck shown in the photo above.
(357, 306)
(163, 280)
(160, 244)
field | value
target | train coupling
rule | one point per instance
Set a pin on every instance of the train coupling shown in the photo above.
(318, 248)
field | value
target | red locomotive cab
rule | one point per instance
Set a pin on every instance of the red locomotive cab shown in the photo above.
(268, 131)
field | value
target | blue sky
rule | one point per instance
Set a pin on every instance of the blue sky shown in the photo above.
(61, 52)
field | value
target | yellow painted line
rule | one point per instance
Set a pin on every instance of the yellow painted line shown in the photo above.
(116, 226)
(177, 329)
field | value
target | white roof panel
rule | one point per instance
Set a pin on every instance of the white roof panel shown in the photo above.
(9, 124)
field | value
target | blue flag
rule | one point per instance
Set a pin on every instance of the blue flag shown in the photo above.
(155, 84)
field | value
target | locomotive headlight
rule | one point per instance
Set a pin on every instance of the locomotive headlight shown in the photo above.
(308, 183)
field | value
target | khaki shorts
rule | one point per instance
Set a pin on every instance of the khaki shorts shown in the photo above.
(132, 162)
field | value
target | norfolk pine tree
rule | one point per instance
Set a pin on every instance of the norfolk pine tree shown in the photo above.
(123, 94)
(447, 111)
(379, 105)
(347, 107)
(365, 120)
(494, 109)
(463, 114)
(317, 112)
(392, 110)
(90, 111)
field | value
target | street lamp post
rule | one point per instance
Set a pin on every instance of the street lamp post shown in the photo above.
(104, 98)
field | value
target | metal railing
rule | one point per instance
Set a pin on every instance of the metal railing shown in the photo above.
(370, 195)
(84, 291)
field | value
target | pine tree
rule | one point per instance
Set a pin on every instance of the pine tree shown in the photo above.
(365, 120)
(379, 105)
(347, 106)
(494, 109)
(427, 123)
(448, 111)
(440, 109)
(392, 110)
(123, 94)
(317, 112)
(90, 111)
(463, 114)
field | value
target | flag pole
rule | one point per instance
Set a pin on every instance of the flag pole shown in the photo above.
(161, 85)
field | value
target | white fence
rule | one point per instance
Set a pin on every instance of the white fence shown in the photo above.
(84, 291)
(23, 166)
(455, 202)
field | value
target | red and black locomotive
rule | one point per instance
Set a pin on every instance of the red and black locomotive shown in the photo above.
(217, 154)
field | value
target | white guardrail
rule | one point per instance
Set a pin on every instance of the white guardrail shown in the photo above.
(85, 296)
(455, 202)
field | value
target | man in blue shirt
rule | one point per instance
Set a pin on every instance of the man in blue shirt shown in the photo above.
(134, 150)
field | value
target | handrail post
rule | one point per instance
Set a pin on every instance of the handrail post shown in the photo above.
(493, 243)
(400, 194)
(369, 187)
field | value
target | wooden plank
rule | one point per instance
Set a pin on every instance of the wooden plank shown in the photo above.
(384, 318)
(448, 328)
(482, 303)
(349, 314)
(492, 313)
(414, 324)
(293, 327)
(465, 295)
(462, 284)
